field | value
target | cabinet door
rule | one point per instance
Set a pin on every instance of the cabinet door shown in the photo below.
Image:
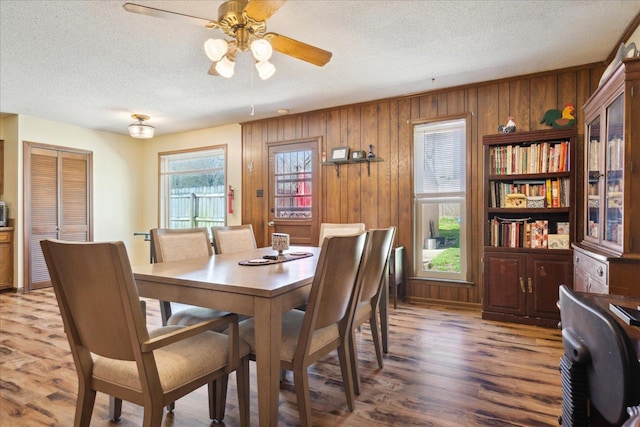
(504, 283)
(6, 260)
(545, 273)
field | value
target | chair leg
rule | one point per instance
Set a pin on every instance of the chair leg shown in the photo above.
(347, 375)
(375, 334)
(115, 408)
(84, 406)
(242, 378)
(152, 416)
(218, 398)
(165, 311)
(355, 370)
(301, 384)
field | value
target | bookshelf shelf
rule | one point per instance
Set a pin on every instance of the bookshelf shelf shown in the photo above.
(529, 212)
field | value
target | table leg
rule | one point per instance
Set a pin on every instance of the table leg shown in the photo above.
(268, 330)
(384, 314)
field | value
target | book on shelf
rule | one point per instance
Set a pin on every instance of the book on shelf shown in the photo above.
(518, 159)
(540, 193)
(523, 233)
(558, 241)
(562, 227)
(539, 233)
(594, 155)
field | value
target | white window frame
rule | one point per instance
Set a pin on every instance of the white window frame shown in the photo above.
(422, 199)
(165, 175)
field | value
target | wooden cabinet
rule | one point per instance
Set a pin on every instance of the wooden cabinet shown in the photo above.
(529, 212)
(6, 258)
(607, 259)
(523, 287)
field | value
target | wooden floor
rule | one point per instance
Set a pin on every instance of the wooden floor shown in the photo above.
(445, 367)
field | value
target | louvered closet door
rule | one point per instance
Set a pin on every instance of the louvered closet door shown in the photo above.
(57, 194)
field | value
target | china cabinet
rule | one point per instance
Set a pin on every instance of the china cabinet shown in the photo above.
(529, 213)
(607, 259)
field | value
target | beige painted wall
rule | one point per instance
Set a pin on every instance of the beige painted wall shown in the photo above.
(125, 176)
(229, 135)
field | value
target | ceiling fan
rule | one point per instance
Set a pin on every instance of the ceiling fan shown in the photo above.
(245, 21)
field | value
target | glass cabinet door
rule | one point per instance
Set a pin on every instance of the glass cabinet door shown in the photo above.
(593, 179)
(614, 173)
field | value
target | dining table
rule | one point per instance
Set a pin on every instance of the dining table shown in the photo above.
(264, 290)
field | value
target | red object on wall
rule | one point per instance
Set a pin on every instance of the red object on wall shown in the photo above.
(230, 199)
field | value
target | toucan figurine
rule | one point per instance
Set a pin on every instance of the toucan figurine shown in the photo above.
(560, 119)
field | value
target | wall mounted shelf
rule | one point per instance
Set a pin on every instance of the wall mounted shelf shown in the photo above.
(367, 160)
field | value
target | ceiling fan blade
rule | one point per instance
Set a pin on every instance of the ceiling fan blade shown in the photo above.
(159, 13)
(297, 49)
(261, 10)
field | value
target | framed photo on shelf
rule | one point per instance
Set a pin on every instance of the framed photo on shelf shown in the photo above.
(340, 154)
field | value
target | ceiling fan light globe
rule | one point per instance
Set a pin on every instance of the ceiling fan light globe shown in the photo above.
(265, 69)
(225, 67)
(261, 49)
(216, 48)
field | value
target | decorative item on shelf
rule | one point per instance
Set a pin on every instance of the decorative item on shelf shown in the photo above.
(340, 154)
(558, 241)
(358, 155)
(628, 51)
(509, 127)
(371, 155)
(562, 227)
(280, 242)
(560, 119)
(515, 200)
(535, 201)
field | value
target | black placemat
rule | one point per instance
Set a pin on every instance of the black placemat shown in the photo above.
(285, 258)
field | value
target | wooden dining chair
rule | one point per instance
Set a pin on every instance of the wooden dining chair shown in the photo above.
(325, 325)
(374, 268)
(331, 229)
(233, 238)
(176, 245)
(112, 349)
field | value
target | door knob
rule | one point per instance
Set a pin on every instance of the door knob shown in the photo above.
(271, 224)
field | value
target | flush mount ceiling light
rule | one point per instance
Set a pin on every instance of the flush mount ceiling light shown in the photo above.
(246, 23)
(139, 129)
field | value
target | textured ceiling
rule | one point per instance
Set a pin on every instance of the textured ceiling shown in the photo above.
(92, 64)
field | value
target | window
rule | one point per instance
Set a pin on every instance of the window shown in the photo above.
(293, 180)
(440, 184)
(193, 188)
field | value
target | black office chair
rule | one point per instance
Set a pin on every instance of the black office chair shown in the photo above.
(599, 365)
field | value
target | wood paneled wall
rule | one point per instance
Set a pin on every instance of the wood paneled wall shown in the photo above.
(385, 197)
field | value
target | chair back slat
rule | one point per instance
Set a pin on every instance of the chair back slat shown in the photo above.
(376, 263)
(97, 296)
(335, 278)
(336, 229)
(180, 244)
(233, 238)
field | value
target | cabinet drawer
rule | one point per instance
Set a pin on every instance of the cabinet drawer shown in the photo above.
(5, 236)
(597, 270)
